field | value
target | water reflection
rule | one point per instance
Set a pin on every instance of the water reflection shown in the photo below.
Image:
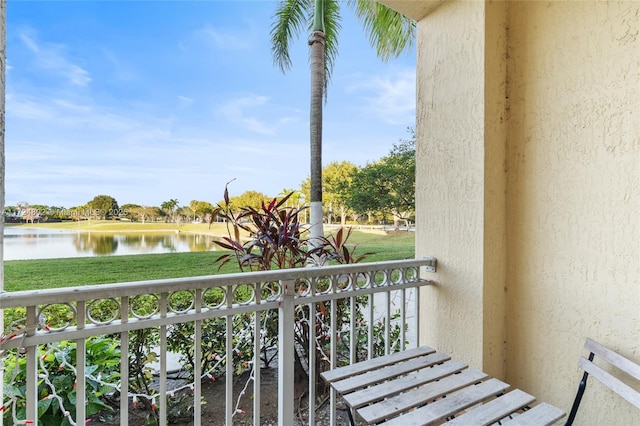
(32, 243)
(97, 244)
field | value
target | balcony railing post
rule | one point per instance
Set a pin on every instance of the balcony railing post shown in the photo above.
(32, 369)
(81, 357)
(286, 356)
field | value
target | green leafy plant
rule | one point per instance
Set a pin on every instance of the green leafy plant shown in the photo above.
(213, 348)
(272, 237)
(56, 386)
(141, 354)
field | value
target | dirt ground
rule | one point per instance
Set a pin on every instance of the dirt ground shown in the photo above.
(214, 409)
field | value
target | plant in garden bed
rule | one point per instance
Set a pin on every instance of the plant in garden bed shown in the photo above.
(273, 238)
(56, 387)
(213, 344)
(56, 384)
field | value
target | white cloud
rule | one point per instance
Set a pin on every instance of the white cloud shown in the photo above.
(121, 71)
(77, 75)
(237, 111)
(185, 99)
(257, 126)
(244, 147)
(391, 97)
(51, 57)
(31, 45)
(224, 39)
(22, 107)
(70, 106)
(60, 113)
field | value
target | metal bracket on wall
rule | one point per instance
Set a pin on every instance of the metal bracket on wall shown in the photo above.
(431, 266)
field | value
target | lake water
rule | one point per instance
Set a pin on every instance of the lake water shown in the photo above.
(39, 243)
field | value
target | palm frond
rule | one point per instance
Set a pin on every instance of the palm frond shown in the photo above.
(290, 18)
(390, 33)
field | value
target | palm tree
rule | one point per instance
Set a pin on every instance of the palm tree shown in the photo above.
(389, 32)
(169, 207)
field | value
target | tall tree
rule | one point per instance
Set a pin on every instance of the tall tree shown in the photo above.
(131, 211)
(389, 32)
(387, 185)
(336, 180)
(203, 210)
(103, 206)
(253, 199)
(169, 207)
(295, 200)
(193, 206)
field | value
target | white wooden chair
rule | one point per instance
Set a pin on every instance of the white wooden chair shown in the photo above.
(608, 358)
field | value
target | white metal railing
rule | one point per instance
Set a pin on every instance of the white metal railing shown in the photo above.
(305, 295)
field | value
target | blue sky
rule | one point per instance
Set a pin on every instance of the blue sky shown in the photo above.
(147, 101)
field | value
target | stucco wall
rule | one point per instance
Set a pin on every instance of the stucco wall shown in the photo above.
(450, 184)
(573, 198)
(568, 134)
(461, 189)
(494, 300)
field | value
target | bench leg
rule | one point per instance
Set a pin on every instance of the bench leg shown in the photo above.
(576, 403)
(350, 414)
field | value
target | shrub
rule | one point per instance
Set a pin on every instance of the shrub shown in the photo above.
(277, 240)
(56, 387)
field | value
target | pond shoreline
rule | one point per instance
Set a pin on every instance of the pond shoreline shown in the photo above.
(44, 242)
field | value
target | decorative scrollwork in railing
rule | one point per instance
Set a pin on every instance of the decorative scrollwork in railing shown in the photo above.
(103, 311)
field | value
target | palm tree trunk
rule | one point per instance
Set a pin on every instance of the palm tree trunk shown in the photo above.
(317, 97)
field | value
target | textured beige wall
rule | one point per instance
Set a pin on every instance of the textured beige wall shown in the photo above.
(573, 196)
(558, 258)
(494, 254)
(461, 190)
(458, 221)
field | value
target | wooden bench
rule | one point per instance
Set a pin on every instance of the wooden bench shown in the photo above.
(624, 367)
(424, 387)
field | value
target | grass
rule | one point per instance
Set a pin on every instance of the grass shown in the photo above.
(118, 226)
(70, 272)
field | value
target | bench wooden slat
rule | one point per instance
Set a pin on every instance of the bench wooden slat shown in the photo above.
(615, 384)
(391, 407)
(494, 410)
(382, 390)
(439, 410)
(359, 367)
(370, 377)
(424, 387)
(613, 358)
(542, 414)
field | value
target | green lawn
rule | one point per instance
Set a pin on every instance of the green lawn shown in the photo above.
(54, 273)
(120, 226)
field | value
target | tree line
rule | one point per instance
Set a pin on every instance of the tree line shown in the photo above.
(379, 192)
